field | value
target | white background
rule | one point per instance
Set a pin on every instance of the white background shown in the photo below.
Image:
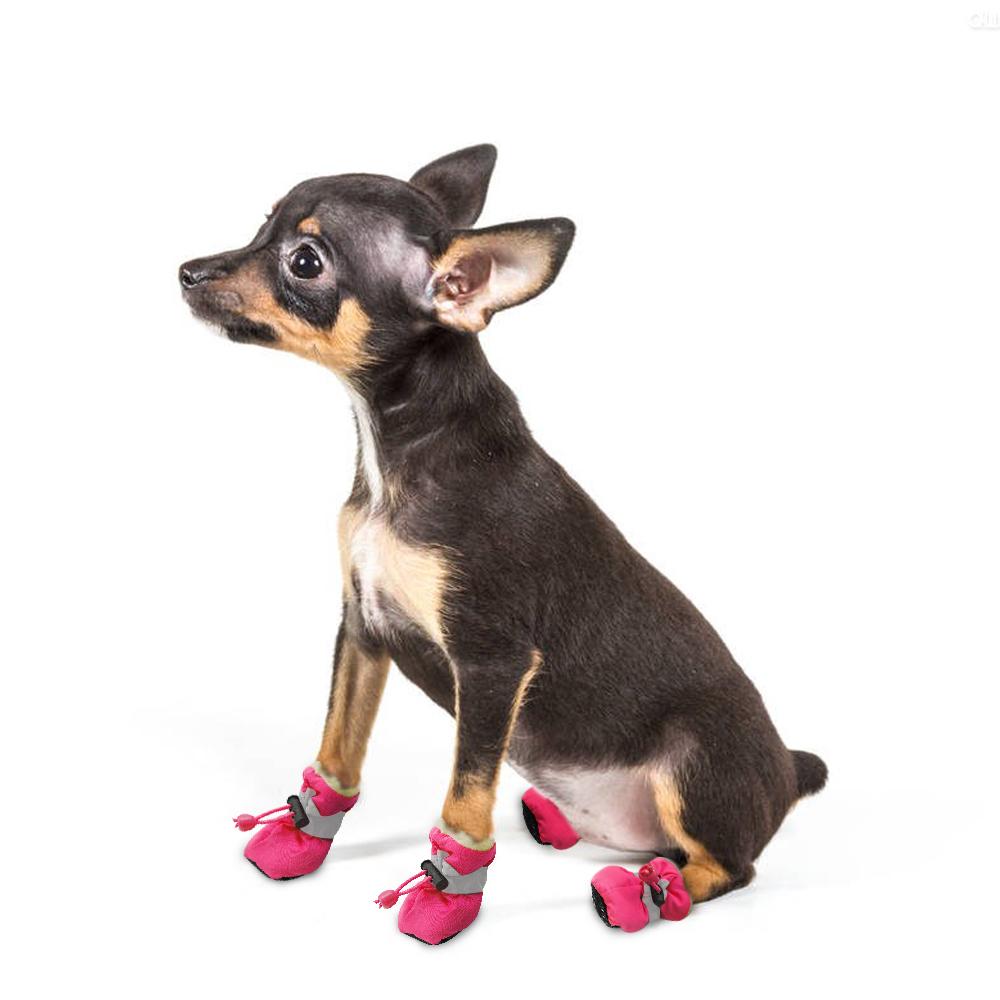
(771, 357)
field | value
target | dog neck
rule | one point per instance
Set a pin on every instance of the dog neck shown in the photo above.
(431, 417)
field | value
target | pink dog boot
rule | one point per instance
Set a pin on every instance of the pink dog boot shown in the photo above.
(545, 822)
(666, 884)
(448, 896)
(617, 895)
(296, 842)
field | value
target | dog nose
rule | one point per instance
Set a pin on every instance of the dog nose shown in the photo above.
(197, 272)
(191, 278)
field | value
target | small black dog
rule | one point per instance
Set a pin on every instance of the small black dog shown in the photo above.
(471, 558)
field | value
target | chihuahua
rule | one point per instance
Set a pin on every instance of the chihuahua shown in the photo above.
(472, 560)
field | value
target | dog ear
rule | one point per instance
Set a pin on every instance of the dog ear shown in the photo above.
(481, 271)
(458, 182)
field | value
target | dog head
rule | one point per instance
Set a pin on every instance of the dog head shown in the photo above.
(351, 270)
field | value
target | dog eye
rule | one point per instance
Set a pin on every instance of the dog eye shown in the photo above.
(305, 262)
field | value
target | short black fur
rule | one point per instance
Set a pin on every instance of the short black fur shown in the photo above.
(631, 675)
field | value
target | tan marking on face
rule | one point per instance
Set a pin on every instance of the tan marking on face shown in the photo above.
(703, 875)
(341, 348)
(310, 226)
(414, 578)
(468, 808)
(358, 681)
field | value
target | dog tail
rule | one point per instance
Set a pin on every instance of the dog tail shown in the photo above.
(810, 772)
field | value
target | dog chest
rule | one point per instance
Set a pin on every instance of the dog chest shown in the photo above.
(390, 577)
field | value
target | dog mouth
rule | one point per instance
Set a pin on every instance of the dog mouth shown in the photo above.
(237, 328)
(245, 331)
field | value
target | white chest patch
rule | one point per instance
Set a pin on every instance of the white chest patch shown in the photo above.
(393, 581)
(369, 448)
(367, 563)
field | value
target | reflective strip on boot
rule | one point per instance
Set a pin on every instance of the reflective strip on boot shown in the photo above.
(323, 827)
(458, 884)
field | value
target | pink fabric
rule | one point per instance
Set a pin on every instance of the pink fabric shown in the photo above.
(622, 892)
(677, 899)
(434, 916)
(281, 851)
(553, 827)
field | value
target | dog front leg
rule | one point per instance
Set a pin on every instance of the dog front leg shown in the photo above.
(359, 675)
(488, 696)
(487, 701)
(295, 844)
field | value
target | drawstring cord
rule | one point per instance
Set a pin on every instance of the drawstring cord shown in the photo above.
(386, 900)
(247, 822)
(648, 874)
